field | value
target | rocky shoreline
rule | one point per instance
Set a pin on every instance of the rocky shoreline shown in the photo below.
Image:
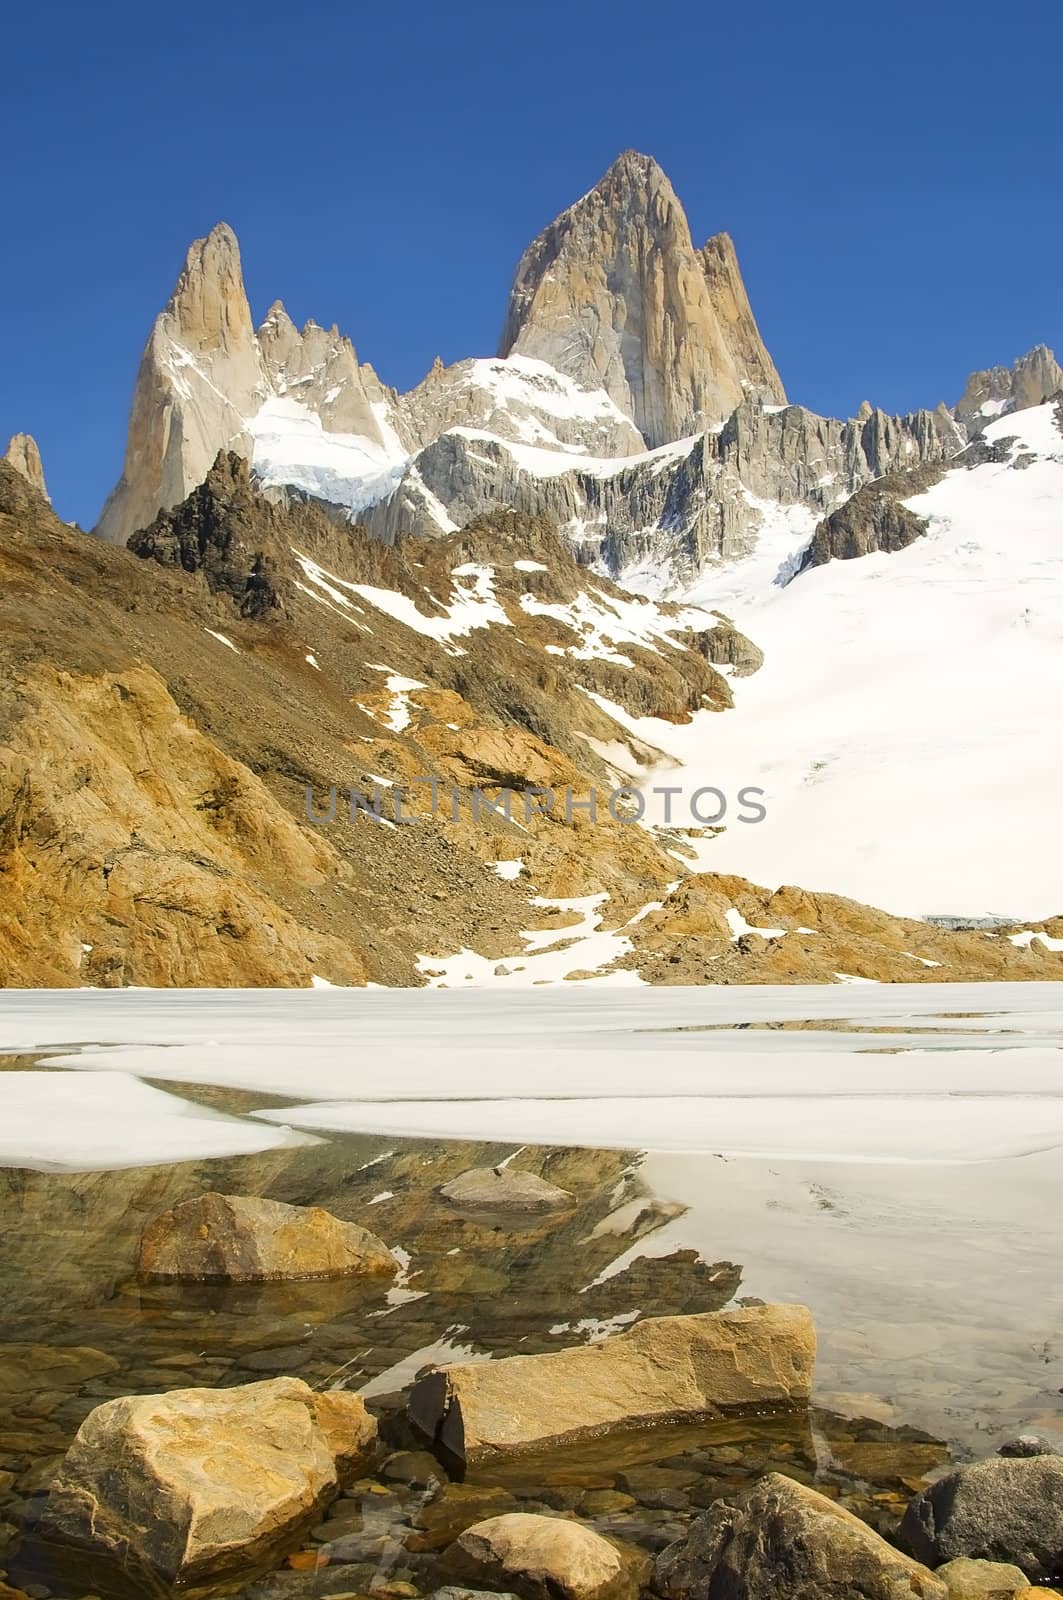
(680, 1458)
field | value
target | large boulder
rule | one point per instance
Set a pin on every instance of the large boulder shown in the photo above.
(1007, 1508)
(503, 1189)
(982, 1580)
(189, 1485)
(664, 1369)
(545, 1558)
(231, 1238)
(783, 1541)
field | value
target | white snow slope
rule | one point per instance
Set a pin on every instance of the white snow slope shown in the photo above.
(902, 724)
(525, 398)
(293, 448)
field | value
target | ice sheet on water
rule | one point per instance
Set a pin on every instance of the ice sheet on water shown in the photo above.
(56, 1121)
(613, 1067)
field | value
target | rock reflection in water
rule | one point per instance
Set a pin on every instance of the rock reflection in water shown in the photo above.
(77, 1329)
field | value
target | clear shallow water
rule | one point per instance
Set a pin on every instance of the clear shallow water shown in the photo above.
(930, 1261)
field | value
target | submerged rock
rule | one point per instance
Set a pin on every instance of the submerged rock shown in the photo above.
(454, 1591)
(456, 1507)
(42, 1367)
(545, 1558)
(1006, 1509)
(244, 1239)
(664, 1369)
(418, 1468)
(783, 1541)
(197, 1483)
(503, 1189)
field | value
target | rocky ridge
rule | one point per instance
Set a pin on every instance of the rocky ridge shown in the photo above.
(118, 869)
(633, 401)
(662, 518)
(997, 391)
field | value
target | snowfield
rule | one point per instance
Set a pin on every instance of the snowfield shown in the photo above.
(902, 722)
(519, 384)
(554, 461)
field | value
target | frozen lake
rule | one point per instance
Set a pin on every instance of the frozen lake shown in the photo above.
(862, 1073)
(887, 1154)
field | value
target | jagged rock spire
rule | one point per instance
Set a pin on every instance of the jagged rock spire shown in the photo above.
(22, 454)
(201, 377)
(320, 366)
(614, 294)
(206, 375)
(209, 304)
(1034, 378)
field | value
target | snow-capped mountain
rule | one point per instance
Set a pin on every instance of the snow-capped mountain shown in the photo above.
(867, 626)
(633, 400)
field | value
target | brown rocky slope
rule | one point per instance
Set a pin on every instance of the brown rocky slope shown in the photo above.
(165, 709)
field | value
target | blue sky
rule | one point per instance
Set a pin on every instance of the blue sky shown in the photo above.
(891, 176)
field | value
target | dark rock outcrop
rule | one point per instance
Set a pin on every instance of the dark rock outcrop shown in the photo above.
(874, 519)
(1001, 1509)
(726, 647)
(218, 532)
